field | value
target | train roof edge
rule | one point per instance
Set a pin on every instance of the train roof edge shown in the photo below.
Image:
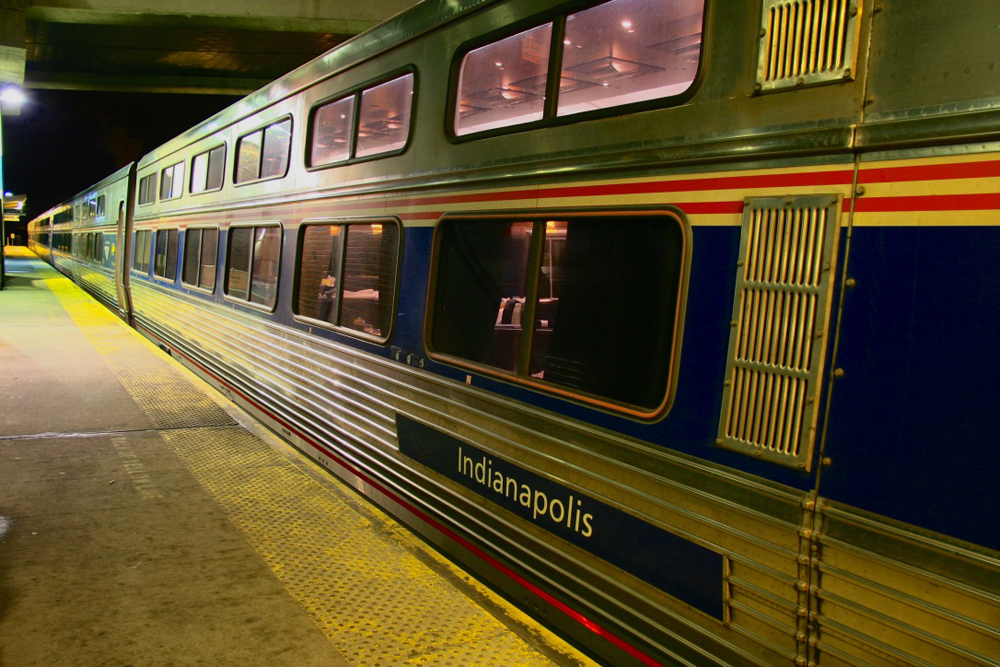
(401, 28)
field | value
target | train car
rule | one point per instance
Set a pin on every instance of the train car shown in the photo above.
(671, 321)
(40, 230)
(82, 237)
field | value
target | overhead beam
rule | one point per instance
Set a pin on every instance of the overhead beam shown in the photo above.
(345, 17)
(199, 85)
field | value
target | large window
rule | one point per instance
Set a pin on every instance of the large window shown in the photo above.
(582, 304)
(201, 252)
(253, 264)
(347, 275)
(264, 153)
(165, 254)
(141, 250)
(382, 124)
(208, 170)
(619, 52)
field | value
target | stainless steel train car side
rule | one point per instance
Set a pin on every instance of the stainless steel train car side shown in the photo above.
(811, 483)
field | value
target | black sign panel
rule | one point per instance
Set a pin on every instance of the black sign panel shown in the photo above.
(673, 564)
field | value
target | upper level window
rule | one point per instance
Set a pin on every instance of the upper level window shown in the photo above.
(347, 275)
(101, 199)
(172, 181)
(264, 153)
(208, 170)
(584, 305)
(147, 189)
(381, 125)
(253, 263)
(616, 53)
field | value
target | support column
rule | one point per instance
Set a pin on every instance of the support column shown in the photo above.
(13, 54)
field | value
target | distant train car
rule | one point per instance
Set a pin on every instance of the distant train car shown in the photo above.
(82, 238)
(671, 321)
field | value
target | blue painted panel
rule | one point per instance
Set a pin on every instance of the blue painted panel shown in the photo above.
(683, 569)
(691, 425)
(913, 429)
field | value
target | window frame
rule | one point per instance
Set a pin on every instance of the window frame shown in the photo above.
(201, 257)
(382, 339)
(550, 116)
(262, 129)
(228, 256)
(670, 215)
(356, 92)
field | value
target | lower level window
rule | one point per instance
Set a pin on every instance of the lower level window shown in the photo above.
(584, 305)
(140, 251)
(347, 275)
(201, 251)
(253, 264)
(165, 256)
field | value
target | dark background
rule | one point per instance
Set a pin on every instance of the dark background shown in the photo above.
(65, 141)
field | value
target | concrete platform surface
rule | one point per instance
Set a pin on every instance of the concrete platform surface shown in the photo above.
(146, 521)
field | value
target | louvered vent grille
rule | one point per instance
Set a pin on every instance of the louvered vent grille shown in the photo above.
(805, 42)
(780, 320)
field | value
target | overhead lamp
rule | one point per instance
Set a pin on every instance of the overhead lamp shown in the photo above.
(11, 99)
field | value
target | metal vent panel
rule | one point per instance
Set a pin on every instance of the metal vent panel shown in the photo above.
(781, 317)
(807, 42)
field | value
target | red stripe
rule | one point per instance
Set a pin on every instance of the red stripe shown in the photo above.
(793, 180)
(973, 202)
(458, 539)
(930, 172)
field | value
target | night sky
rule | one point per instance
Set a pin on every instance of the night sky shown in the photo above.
(65, 141)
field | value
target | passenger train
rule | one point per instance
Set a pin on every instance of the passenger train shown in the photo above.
(675, 321)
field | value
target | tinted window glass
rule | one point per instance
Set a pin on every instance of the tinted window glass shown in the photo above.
(384, 119)
(277, 145)
(600, 292)
(147, 189)
(207, 170)
(319, 272)
(628, 51)
(504, 83)
(617, 53)
(165, 257)
(369, 277)
(201, 248)
(140, 252)
(266, 257)
(254, 264)
(209, 258)
(347, 275)
(248, 157)
(238, 270)
(172, 181)
(331, 134)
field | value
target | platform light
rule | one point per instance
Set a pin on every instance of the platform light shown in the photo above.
(11, 98)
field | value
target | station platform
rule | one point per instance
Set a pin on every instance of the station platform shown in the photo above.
(144, 520)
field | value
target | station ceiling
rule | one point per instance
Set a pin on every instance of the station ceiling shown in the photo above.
(184, 46)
